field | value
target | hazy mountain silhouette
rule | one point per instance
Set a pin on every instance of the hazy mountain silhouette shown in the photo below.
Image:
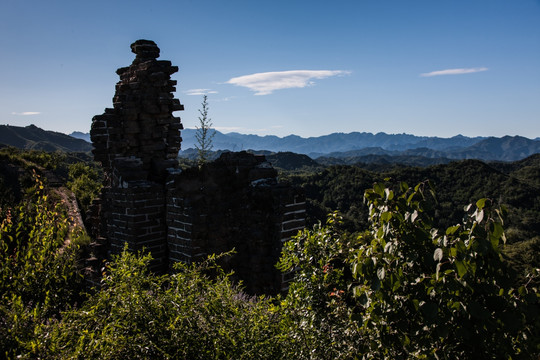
(32, 137)
(326, 144)
(341, 148)
(354, 146)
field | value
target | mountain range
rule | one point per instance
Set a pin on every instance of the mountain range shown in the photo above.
(35, 138)
(328, 149)
(356, 144)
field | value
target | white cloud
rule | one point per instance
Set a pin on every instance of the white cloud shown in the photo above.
(267, 82)
(227, 98)
(200, 92)
(454, 71)
(26, 113)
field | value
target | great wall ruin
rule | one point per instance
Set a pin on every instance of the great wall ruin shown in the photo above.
(235, 202)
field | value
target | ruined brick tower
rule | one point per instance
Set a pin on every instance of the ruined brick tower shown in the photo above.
(147, 202)
(139, 133)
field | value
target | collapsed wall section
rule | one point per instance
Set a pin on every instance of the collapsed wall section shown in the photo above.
(235, 203)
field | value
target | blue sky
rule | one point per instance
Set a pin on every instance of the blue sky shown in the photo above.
(310, 68)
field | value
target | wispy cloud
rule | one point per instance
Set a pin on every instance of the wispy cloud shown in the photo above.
(200, 92)
(454, 71)
(227, 98)
(26, 113)
(267, 82)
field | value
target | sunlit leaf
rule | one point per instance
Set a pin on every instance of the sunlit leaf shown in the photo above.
(438, 254)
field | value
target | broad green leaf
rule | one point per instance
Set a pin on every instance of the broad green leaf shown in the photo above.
(452, 229)
(481, 203)
(379, 189)
(461, 268)
(386, 216)
(496, 234)
(396, 285)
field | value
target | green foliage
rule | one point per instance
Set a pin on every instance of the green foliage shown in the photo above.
(399, 288)
(410, 290)
(338, 188)
(204, 133)
(187, 315)
(524, 258)
(454, 292)
(457, 184)
(17, 167)
(85, 182)
(38, 269)
(43, 159)
(316, 308)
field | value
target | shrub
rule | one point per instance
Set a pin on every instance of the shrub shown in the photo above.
(38, 269)
(408, 290)
(187, 315)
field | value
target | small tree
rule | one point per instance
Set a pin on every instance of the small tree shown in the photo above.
(204, 133)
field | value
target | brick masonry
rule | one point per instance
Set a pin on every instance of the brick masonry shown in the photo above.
(235, 202)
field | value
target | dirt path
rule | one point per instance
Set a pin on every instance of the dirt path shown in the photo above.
(74, 214)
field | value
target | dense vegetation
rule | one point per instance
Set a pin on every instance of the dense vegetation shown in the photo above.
(39, 275)
(514, 185)
(387, 280)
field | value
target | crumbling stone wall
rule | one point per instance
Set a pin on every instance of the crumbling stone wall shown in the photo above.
(147, 202)
(139, 138)
(137, 143)
(234, 202)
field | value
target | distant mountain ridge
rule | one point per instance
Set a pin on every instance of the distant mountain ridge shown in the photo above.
(333, 148)
(81, 135)
(33, 138)
(335, 142)
(507, 148)
(351, 145)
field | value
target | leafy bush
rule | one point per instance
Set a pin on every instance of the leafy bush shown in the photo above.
(401, 289)
(38, 269)
(316, 308)
(408, 290)
(187, 315)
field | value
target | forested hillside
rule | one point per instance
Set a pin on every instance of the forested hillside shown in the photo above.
(457, 184)
(407, 272)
